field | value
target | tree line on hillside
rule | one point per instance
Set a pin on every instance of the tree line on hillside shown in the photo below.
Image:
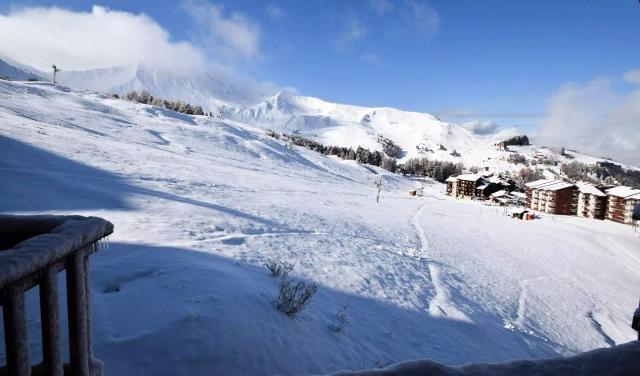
(437, 170)
(527, 175)
(178, 106)
(517, 141)
(390, 148)
(605, 172)
(360, 154)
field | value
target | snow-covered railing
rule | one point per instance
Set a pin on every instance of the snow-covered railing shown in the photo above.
(33, 250)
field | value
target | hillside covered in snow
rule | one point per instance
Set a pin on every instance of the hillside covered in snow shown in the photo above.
(200, 204)
(418, 135)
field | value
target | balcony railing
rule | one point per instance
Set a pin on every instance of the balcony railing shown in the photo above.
(33, 250)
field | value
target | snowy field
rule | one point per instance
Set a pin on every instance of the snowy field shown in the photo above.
(199, 206)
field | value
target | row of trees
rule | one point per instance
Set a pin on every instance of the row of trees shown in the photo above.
(361, 155)
(517, 141)
(178, 106)
(516, 158)
(607, 173)
(527, 175)
(390, 148)
(437, 170)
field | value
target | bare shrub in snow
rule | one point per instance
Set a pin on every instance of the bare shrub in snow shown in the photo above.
(341, 319)
(279, 268)
(294, 296)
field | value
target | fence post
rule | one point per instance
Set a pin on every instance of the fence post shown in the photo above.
(15, 332)
(49, 313)
(76, 306)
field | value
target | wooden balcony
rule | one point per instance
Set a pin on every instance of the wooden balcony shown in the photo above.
(33, 250)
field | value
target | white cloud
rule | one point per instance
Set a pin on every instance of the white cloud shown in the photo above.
(381, 7)
(95, 39)
(274, 12)
(422, 17)
(234, 35)
(595, 119)
(633, 76)
(354, 31)
(481, 126)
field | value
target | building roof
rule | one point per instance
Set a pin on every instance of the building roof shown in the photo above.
(537, 183)
(633, 197)
(622, 191)
(482, 187)
(549, 185)
(451, 179)
(497, 180)
(589, 189)
(469, 177)
(500, 193)
(558, 185)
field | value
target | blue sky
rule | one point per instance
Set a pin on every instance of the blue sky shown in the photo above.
(462, 60)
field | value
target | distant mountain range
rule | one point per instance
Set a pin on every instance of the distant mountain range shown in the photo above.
(417, 134)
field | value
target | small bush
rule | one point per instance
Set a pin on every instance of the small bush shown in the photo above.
(341, 319)
(294, 296)
(279, 268)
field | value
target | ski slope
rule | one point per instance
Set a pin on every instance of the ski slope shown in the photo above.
(199, 205)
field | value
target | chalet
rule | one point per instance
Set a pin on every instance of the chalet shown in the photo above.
(475, 186)
(621, 202)
(591, 201)
(501, 146)
(551, 196)
(464, 186)
(451, 185)
(504, 197)
(632, 209)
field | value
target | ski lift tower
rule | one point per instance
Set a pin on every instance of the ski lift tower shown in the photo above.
(55, 70)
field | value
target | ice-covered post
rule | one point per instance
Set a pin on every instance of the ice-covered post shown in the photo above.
(635, 322)
(378, 185)
(55, 70)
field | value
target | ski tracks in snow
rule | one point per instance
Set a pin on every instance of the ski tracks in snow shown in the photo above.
(441, 304)
(522, 303)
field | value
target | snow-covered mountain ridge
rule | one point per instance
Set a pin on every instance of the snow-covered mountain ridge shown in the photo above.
(417, 134)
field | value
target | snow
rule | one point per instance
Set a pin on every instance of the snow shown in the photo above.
(420, 135)
(199, 204)
(500, 193)
(621, 360)
(549, 185)
(538, 183)
(16, 71)
(589, 189)
(469, 177)
(622, 191)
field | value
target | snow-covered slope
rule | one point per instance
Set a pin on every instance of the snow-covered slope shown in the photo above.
(210, 89)
(13, 70)
(199, 205)
(418, 134)
(242, 100)
(620, 360)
